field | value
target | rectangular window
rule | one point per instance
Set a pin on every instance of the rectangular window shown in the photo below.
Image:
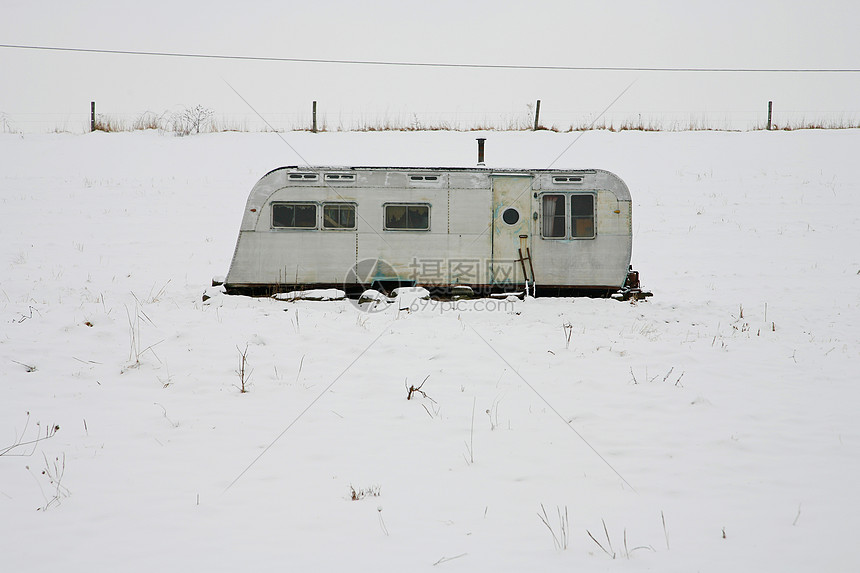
(553, 216)
(294, 215)
(582, 216)
(338, 216)
(407, 217)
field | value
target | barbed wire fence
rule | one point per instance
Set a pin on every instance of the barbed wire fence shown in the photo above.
(523, 119)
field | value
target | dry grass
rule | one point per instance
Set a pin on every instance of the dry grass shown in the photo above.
(363, 492)
(176, 123)
(224, 124)
(148, 120)
(110, 124)
(833, 123)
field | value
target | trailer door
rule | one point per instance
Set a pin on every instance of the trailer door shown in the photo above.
(512, 194)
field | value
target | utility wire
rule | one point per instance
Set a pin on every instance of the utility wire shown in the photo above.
(433, 64)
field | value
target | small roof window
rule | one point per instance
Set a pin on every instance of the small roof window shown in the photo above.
(340, 176)
(565, 179)
(303, 177)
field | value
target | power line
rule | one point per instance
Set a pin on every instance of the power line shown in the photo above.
(431, 64)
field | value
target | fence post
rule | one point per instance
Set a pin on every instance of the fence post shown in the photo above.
(314, 127)
(537, 115)
(92, 116)
(769, 115)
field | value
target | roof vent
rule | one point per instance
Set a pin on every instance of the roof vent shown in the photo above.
(340, 176)
(567, 179)
(303, 177)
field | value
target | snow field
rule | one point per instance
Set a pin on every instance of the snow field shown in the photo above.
(727, 401)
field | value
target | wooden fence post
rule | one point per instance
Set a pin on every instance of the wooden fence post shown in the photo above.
(92, 116)
(314, 127)
(537, 115)
(769, 115)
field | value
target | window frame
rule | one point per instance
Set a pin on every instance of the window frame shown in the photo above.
(563, 216)
(385, 207)
(340, 204)
(572, 218)
(569, 216)
(275, 204)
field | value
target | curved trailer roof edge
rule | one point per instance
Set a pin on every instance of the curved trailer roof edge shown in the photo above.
(265, 186)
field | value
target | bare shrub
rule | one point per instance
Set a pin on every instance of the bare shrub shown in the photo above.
(243, 373)
(192, 120)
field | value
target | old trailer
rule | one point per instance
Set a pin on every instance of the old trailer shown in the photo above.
(550, 231)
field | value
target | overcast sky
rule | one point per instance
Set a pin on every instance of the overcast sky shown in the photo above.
(40, 88)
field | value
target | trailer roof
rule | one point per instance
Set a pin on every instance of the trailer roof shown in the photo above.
(425, 168)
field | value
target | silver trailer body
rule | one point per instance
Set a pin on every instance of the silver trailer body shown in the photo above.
(490, 229)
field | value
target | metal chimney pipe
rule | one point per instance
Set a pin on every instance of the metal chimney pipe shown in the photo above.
(481, 141)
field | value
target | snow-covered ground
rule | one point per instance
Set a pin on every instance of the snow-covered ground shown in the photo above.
(711, 428)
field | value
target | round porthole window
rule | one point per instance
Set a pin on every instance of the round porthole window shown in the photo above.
(511, 216)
